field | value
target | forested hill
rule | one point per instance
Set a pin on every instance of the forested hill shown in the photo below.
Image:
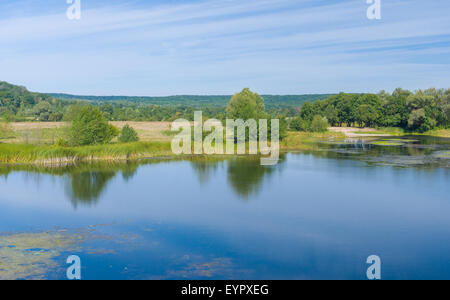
(271, 101)
(14, 97)
(19, 104)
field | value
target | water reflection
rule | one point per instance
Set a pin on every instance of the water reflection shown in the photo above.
(246, 176)
(86, 187)
(85, 184)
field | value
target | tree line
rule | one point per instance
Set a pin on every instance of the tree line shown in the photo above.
(18, 104)
(418, 111)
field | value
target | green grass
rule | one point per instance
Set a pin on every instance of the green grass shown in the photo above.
(439, 133)
(308, 140)
(395, 131)
(21, 153)
(170, 132)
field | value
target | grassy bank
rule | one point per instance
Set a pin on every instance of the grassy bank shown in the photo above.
(387, 131)
(308, 140)
(439, 133)
(45, 154)
(51, 154)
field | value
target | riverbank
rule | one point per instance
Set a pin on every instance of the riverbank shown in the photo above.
(45, 154)
(57, 155)
(354, 132)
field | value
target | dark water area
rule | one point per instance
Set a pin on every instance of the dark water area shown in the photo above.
(314, 215)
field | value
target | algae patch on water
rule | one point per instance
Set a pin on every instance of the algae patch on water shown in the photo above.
(204, 269)
(32, 255)
(393, 142)
(387, 143)
(43, 255)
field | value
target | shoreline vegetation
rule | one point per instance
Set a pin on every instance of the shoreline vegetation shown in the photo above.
(47, 154)
(88, 132)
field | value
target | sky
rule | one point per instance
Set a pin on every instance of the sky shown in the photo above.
(205, 47)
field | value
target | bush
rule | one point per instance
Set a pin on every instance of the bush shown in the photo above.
(128, 135)
(319, 124)
(89, 127)
(298, 124)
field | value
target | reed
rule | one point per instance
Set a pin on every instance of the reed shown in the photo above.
(46, 154)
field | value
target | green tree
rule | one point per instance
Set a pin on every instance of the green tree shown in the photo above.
(89, 127)
(245, 105)
(128, 135)
(418, 121)
(319, 124)
(307, 111)
(298, 124)
(331, 114)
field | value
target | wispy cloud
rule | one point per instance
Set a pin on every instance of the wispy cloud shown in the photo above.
(210, 47)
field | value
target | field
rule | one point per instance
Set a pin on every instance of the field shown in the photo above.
(38, 133)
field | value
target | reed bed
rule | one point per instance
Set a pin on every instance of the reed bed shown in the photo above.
(49, 154)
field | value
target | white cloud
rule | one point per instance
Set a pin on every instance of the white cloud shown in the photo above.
(214, 47)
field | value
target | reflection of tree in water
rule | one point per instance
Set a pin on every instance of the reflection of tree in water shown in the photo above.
(205, 169)
(86, 186)
(245, 175)
(83, 183)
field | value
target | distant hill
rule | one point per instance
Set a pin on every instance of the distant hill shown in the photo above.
(19, 104)
(271, 101)
(14, 97)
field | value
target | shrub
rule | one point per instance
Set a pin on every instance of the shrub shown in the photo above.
(319, 124)
(128, 135)
(89, 127)
(299, 124)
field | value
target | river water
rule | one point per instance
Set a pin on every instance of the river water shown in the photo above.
(315, 215)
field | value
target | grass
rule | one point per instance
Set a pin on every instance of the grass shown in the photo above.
(394, 131)
(170, 133)
(53, 154)
(48, 132)
(46, 154)
(308, 140)
(33, 143)
(445, 133)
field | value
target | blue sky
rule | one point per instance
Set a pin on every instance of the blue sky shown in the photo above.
(174, 47)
